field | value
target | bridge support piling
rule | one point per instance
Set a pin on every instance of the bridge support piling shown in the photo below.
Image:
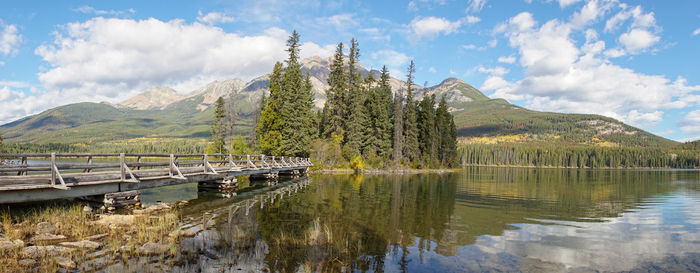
(112, 201)
(228, 184)
(274, 176)
(291, 173)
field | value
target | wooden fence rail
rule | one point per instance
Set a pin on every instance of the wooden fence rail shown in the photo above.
(65, 170)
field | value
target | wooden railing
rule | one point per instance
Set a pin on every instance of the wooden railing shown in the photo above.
(54, 168)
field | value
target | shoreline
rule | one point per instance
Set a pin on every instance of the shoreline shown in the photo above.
(584, 168)
(441, 171)
(384, 171)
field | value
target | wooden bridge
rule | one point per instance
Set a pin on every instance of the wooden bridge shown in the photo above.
(39, 177)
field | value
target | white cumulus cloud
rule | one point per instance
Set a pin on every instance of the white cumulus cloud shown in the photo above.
(507, 60)
(520, 22)
(430, 27)
(590, 13)
(214, 17)
(639, 18)
(396, 62)
(494, 71)
(10, 39)
(638, 40)
(560, 75)
(566, 3)
(111, 59)
(691, 123)
(472, 19)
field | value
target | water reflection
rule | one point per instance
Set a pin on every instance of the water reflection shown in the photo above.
(482, 219)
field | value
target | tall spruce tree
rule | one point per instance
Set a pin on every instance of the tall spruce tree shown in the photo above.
(335, 109)
(270, 122)
(446, 135)
(383, 114)
(297, 111)
(410, 127)
(218, 130)
(451, 145)
(377, 127)
(369, 137)
(355, 102)
(426, 130)
(441, 126)
(397, 139)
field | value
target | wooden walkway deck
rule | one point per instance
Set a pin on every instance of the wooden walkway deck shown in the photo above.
(38, 177)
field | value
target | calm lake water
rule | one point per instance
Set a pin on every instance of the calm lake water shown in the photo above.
(479, 219)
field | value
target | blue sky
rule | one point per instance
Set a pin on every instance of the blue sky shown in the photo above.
(631, 60)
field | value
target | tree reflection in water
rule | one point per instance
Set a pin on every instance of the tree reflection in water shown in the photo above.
(479, 219)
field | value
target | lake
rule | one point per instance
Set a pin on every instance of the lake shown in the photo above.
(477, 219)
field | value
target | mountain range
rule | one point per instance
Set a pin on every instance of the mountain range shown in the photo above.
(162, 112)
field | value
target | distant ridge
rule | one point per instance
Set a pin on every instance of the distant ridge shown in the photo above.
(163, 113)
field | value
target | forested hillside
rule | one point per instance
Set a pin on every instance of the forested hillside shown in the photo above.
(577, 156)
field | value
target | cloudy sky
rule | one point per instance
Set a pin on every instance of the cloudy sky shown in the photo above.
(632, 60)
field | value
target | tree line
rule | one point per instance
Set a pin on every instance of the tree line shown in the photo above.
(361, 120)
(541, 155)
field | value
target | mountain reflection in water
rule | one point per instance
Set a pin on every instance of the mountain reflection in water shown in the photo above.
(479, 219)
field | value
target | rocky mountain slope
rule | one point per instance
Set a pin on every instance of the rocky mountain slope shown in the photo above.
(164, 113)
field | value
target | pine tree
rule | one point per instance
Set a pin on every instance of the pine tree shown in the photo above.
(377, 126)
(335, 109)
(321, 121)
(218, 130)
(355, 102)
(446, 135)
(383, 116)
(270, 122)
(410, 128)
(370, 139)
(397, 140)
(451, 143)
(441, 125)
(297, 111)
(426, 129)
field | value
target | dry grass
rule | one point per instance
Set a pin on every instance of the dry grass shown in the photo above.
(122, 241)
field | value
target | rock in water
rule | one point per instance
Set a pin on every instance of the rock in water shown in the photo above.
(116, 220)
(96, 236)
(27, 262)
(45, 228)
(66, 263)
(151, 248)
(44, 237)
(6, 244)
(35, 252)
(84, 244)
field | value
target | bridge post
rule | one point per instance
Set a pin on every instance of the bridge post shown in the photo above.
(205, 159)
(122, 163)
(53, 167)
(89, 163)
(172, 165)
(23, 163)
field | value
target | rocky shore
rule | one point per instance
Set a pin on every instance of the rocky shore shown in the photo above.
(76, 239)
